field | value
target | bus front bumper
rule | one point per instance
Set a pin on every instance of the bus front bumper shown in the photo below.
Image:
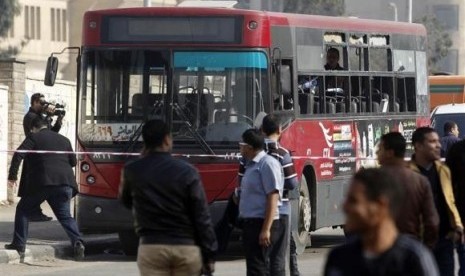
(98, 215)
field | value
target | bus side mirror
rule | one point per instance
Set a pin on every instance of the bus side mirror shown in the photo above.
(285, 79)
(51, 71)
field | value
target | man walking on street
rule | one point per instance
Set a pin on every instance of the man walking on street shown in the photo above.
(427, 147)
(419, 217)
(377, 249)
(261, 193)
(171, 214)
(38, 109)
(456, 162)
(49, 177)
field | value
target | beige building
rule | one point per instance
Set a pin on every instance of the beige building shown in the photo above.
(451, 13)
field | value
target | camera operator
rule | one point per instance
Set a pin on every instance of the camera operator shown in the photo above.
(40, 108)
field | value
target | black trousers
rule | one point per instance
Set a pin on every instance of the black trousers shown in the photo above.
(256, 256)
(278, 249)
(225, 226)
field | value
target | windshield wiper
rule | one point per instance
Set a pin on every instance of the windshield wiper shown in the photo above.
(203, 144)
(135, 137)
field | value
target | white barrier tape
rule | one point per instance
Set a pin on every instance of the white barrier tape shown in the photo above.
(223, 156)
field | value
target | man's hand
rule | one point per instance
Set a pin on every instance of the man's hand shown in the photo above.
(11, 194)
(12, 183)
(50, 109)
(208, 268)
(265, 238)
(458, 236)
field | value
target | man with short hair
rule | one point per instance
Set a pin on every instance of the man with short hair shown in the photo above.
(419, 217)
(426, 161)
(261, 193)
(332, 60)
(40, 108)
(37, 109)
(50, 178)
(271, 127)
(371, 205)
(171, 214)
(451, 136)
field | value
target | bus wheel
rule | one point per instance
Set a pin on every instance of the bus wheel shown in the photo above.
(302, 235)
(129, 242)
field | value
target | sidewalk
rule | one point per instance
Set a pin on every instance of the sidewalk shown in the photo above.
(47, 240)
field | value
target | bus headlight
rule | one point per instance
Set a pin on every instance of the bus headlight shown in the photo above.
(85, 167)
(90, 179)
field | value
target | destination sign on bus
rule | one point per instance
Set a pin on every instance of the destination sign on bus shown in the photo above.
(125, 29)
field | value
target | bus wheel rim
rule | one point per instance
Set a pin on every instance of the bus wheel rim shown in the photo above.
(305, 213)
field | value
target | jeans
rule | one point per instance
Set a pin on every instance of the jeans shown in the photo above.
(256, 256)
(58, 197)
(461, 256)
(444, 254)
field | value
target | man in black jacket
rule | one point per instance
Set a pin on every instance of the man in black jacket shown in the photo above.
(39, 108)
(49, 177)
(170, 209)
(372, 203)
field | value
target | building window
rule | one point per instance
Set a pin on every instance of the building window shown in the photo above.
(11, 33)
(52, 21)
(448, 16)
(450, 62)
(32, 22)
(58, 23)
(63, 28)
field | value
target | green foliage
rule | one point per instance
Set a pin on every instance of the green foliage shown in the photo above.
(439, 41)
(9, 9)
(319, 7)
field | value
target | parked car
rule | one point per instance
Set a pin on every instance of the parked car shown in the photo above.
(448, 112)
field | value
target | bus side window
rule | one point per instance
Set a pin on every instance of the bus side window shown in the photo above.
(406, 93)
(385, 97)
(308, 93)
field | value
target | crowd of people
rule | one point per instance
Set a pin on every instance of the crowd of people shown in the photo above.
(182, 240)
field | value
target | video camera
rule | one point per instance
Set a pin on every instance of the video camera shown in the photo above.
(59, 109)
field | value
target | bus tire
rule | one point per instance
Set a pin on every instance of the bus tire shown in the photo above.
(301, 235)
(129, 242)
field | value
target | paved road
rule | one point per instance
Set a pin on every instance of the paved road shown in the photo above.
(112, 262)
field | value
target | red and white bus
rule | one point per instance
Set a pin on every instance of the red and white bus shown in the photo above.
(212, 72)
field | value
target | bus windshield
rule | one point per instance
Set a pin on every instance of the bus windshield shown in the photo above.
(212, 96)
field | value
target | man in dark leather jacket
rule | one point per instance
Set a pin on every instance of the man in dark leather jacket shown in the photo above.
(170, 209)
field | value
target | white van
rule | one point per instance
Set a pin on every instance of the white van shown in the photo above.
(448, 113)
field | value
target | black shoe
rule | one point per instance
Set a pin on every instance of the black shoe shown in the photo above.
(19, 248)
(78, 250)
(39, 218)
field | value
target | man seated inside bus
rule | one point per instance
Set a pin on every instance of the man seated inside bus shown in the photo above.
(332, 60)
(335, 85)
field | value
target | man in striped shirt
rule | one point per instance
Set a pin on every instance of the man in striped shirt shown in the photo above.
(272, 129)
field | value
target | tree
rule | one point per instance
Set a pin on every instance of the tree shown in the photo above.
(9, 9)
(439, 41)
(318, 7)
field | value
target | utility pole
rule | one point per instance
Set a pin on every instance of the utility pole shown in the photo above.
(147, 3)
(410, 8)
(394, 7)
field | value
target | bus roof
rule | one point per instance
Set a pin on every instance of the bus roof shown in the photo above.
(266, 19)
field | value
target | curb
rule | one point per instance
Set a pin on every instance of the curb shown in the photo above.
(58, 250)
